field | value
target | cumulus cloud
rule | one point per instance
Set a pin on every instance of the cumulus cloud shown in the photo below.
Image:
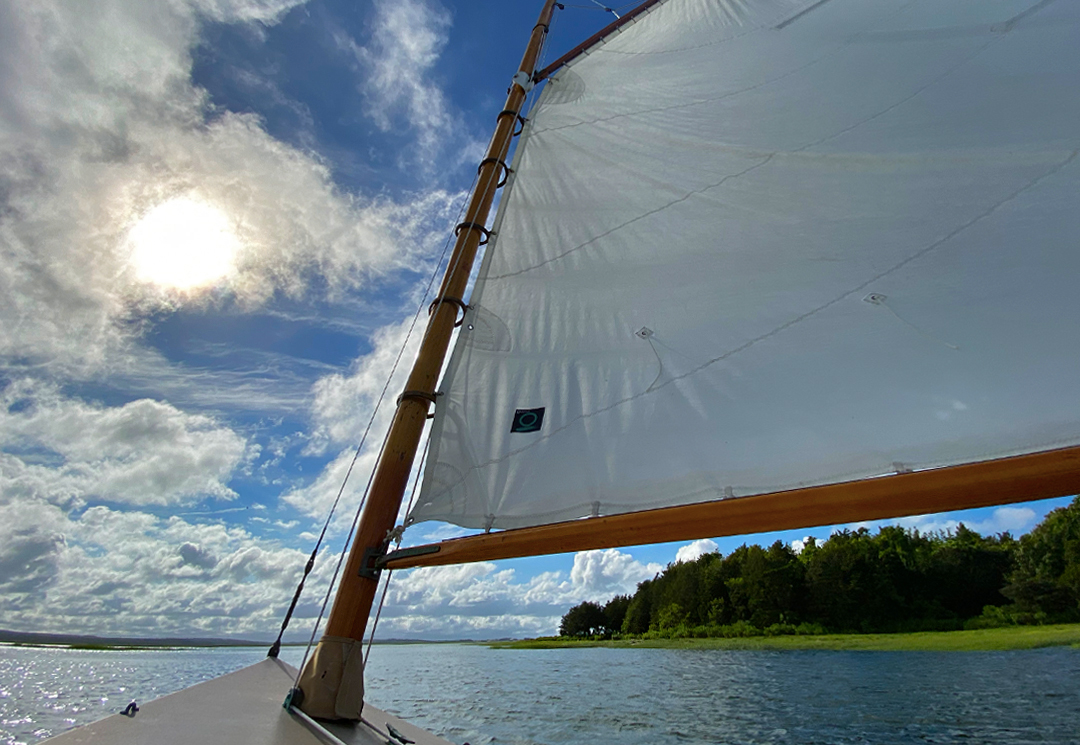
(111, 572)
(342, 408)
(67, 451)
(484, 600)
(696, 550)
(1015, 520)
(100, 123)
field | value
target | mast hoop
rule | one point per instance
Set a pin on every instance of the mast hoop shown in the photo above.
(475, 226)
(419, 395)
(517, 115)
(506, 170)
(452, 301)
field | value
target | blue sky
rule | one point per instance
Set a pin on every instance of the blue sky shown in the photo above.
(169, 448)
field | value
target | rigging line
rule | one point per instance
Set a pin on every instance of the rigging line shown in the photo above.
(390, 572)
(605, 8)
(434, 275)
(794, 321)
(337, 571)
(356, 455)
(378, 615)
(451, 269)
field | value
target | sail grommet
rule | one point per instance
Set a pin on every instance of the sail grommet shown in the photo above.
(421, 395)
(474, 226)
(506, 170)
(516, 115)
(452, 301)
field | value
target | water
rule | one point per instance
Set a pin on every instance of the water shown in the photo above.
(611, 696)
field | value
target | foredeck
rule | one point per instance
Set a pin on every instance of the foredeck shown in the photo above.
(242, 707)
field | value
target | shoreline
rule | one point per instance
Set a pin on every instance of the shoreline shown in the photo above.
(981, 640)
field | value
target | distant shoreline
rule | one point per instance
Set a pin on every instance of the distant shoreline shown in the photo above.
(980, 640)
(88, 642)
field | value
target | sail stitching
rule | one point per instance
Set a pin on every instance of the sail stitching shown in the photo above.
(794, 321)
(784, 24)
(907, 98)
(827, 55)
(633, 220)
(805, 147)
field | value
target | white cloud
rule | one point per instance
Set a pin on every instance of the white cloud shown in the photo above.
(1016, 520)
(111, 572)
(341, 410)
(406, 40)
(484, 600)
(343, 403)
(695, 550)
(67, 451)
(100, 123)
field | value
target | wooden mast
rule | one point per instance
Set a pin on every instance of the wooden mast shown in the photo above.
(356, 593)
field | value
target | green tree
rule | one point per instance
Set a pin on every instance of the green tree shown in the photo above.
(639, 612)
(1046, 582)
(968, 572)
(586, 619)
(615, 613)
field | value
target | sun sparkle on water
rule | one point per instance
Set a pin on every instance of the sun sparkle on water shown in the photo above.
(183, 243)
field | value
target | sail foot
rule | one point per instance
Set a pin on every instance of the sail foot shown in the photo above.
(333, 680)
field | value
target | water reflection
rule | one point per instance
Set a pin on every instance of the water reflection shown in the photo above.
(617, 696)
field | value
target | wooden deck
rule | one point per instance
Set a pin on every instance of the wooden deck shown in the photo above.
(242, 708)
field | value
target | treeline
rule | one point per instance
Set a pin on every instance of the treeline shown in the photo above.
(896, 580)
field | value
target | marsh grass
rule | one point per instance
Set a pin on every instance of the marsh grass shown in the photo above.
(998, 639)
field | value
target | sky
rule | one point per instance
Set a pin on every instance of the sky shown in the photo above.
(217, 220)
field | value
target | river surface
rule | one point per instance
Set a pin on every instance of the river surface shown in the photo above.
(611, 696)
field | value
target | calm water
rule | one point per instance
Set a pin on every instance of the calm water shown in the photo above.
(612, 696)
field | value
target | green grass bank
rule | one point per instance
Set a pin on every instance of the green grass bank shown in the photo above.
(998, 639)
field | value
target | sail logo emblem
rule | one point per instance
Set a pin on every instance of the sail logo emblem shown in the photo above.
(528, 420)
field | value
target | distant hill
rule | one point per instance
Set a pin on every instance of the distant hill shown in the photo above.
(84, 640)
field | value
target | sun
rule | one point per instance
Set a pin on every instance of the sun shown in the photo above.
(183, 244)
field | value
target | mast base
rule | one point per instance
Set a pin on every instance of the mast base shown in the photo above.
(332, 681)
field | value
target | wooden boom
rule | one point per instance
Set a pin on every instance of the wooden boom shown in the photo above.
(1021, 478)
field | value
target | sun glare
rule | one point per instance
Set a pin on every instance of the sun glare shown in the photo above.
(183, 243)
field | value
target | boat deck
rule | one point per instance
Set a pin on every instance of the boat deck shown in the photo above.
(240, 708)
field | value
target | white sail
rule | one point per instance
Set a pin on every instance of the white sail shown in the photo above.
(761, 244)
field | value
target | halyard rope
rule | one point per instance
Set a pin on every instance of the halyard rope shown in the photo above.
(526, 106)
(352, 464)
(352, 529)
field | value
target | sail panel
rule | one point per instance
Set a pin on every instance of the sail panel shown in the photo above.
(758, 246)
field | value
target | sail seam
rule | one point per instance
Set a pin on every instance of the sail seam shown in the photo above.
(784, 24)
(788, 324)
(1009, 24)
(661, 208)
(712, 99)
(805, 147)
